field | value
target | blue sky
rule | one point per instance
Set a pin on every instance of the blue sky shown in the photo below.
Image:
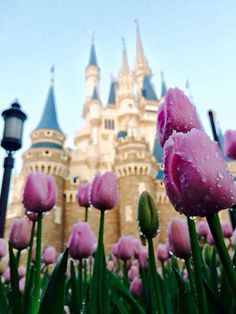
(192, 40)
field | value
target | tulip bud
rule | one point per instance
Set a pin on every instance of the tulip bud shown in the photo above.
(110, 265)
(142, 259)
(82, 241)
(233, 238)
(137, 247)
(178, 235)
(133, 272)
(226, 229)
(136, 287)
(195, 176)
(19, 236)
(202, 228)
(176, 113)
(39, 192)
(104, 191)
(3, 248)
(147, 215)
(83, 194)
(21, 271)
(7, 275)
(125, 248)
(22, 285)
(230, 144)
(162, 252)
(49, 255)
(210, 239)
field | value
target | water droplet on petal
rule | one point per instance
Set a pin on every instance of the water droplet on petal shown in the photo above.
(220, 174)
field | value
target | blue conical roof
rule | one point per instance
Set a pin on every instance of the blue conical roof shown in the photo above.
(157, 151)
(92, 55)
(49, 116)
(112, 93)
(163, 85)
(147, 90)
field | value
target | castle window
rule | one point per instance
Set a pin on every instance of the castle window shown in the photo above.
(47, 153)
(48, 133)
(75, 180)
(109, 124)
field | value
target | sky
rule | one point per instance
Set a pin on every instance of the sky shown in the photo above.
(193, 40)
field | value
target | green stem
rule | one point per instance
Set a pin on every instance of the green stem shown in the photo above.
(18, 257)
(29, 258)
(125, 272)
(214, 224)
(86, 214)
(37, 266)
(190, 277)
(80, 269)
(155, 285)
(197, 263)
(96, 288)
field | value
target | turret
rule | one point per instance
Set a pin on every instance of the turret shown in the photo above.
(92, 72)
(47, 154)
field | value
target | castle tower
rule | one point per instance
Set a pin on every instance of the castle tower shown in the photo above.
(128, 114)
(163, 85)
(136, 168)
(47, 154)
(141, 64)
(92, 72)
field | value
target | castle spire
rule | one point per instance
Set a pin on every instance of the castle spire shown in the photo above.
(92, 53)
(140, 57)
(49, 117)
(112, 92)
(163, 85)
(124, 64)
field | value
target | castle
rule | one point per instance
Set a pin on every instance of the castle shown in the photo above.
(117, 136)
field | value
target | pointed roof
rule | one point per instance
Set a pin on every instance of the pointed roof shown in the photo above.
(147, 89)
(124, 64)
(140, 57)
(92, 54)
(163, 85)
(49, 117)
(112, 93)
(95, 94)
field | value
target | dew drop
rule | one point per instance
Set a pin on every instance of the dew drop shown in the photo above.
(219, 185)
(220, 174)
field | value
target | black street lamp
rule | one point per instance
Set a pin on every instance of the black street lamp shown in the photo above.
(11, 141)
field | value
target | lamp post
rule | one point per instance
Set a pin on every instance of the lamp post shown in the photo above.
(11, 141)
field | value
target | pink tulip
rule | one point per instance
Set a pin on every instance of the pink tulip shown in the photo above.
(202, 228)
(137, 247)
(104, 191)
(136, 287)
(39, 192)
(114, 249)
(3, 248)
(226, 229)
(179, 241)
(7, 275)
(230, 144)
(135, 262)
(142, 259)
(195, 176)
(176, 113)
(133, 272)
(19, 236)
(233, 238)
(210, 239)
(49, 255)
(22, 285)
(162, 252)
(83, 194)
(21, 271)
(125, 248)
(82, 241)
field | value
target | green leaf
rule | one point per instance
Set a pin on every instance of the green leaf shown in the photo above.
(186, 303)
(29, 293)
(74, 289)
(15, 293)
(53, 299)
(3, 300)
(214, 302)
(137, 309)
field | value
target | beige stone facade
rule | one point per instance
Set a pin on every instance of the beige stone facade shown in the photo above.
(118, 136)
